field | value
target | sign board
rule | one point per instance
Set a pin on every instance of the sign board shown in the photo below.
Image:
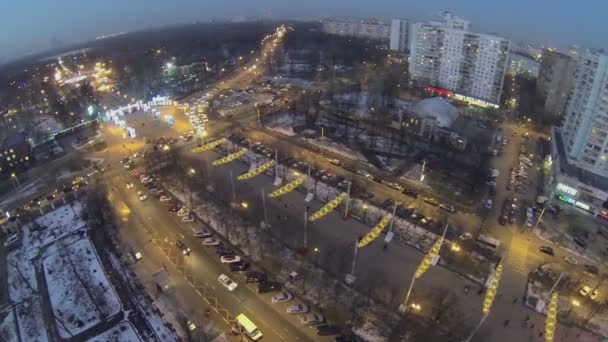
(389, 237)
(309, 197)
(435, 260)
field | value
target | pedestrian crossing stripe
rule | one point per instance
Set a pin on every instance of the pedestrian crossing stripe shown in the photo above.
(518, 254)
(137, 171)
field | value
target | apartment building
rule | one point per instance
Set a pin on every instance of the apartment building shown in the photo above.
(447, 55)
(370, 29)
(555, 79)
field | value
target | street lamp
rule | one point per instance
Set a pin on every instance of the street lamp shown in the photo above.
(416, 306)
(192, 171)
(245, 205)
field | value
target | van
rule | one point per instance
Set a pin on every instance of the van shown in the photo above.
(487, 242)
(248, 328)
(199, 232)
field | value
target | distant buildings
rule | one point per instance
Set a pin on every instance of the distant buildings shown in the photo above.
(15, 155)
(520, 64)
(370, 29)
(554, 80)
(585, 129)
(399, 38)
(446, 54)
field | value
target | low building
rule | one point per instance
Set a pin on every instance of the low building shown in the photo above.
(371, 29)
(15, 155)
(435, 118)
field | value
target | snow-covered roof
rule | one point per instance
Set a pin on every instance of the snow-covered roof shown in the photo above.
(437, 108)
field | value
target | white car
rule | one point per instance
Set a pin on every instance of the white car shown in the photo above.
(282, 297)
(394, 185)
(165, 198)
(142, 197)
(298, 308)
(586, 290)
(183, 212)
(210, 241)
(188, 219)
(142, 176)
(229, 259)
(465, 236)
(334, 161)
(227, 282)
(312, 319)
(147, 180)
(570, 260)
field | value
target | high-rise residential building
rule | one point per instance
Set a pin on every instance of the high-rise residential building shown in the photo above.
(446, 54)
(555, 79)
(585, 129)
(399, 39)
(371, 29)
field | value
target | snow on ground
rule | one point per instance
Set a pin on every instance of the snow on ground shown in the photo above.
(31, 325)
(390, 165)
(23, 192)
(123, 332)
(21, 276)
(337, 148)
(79, 291)
(8, 325)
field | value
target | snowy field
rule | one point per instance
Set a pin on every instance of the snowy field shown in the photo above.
(79, 291)
(31, 325)
(123, 332)
(8, 327)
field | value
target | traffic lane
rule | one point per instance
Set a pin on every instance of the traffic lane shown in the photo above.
(239, 301)
(334, 239)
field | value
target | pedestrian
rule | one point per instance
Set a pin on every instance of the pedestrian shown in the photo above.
(515, 300)
(540, 334)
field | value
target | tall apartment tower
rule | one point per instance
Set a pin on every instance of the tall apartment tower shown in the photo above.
(555, 79)
(446, 54)
(399, 35)
(585, 129)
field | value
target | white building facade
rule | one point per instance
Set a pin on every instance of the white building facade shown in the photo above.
(585, 129)
(446, 54)
(399, 38)
(363, 29)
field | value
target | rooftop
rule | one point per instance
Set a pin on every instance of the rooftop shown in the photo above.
(11, 140)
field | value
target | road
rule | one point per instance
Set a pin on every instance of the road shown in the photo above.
(152, 216)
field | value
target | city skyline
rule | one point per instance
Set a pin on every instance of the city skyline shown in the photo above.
(73, 22)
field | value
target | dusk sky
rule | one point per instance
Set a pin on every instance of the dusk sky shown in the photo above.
(31, 25)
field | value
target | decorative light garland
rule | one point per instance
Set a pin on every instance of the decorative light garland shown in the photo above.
(262, 168)
(551, 317)
(491, 292)
(428, 258)
(375, 232)
(327, 208)
(287, 188)
(209, 146)
(227, 159)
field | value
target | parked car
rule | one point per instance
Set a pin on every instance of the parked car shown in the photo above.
(282, 297)
(268, 286)
(586, 290)
(447, 207)
(580, 241)
(255, 276)
(591, 269)
(298, 309)
(546, 249)
(182, 246)
(165, 198)
(334, 161)
(312, 319)
(394, 185)
(229, 258)
(465, 236)
(188, 218)
(239, 266)
(183, 212)
(410, 192)
(570, 260)
(327, 330)
(129, 185)
(174, 208)
(209, 241)
(227, 282)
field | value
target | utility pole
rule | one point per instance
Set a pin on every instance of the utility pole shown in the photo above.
(266, 224)
(347, 200)
(233, 189)
(306, 227)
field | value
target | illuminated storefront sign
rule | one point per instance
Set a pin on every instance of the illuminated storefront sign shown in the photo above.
(582, 205)
(566, 189)
(566, 199)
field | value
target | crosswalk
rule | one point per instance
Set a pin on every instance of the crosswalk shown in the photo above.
(518, 254)
(136, 172)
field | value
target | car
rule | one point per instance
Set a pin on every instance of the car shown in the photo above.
(410, 192)
(129, 185)
(327, 330)
(365, 174)
(77, 180)
(465, 236)
(227, 282)
(570, 260)
(591, 269)
(580, 241)
(183, 212)
(142, 176)
(239, 266)
(145, 179)
(268, 286)
(394, 185)
(447, 207)
(185, 249)
(282, 297)
(297, 309)
(312, 319)
(334, 161)
(165, 198)
(229, 258)
(431, 201)
(255, 277)
(209, 241)
(188, 218)
(174, 208)
(546, 249)
(50, 197)
(586, 290)
(142, 197)
(221, 251)
(191, 325)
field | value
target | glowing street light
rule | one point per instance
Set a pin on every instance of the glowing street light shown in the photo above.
(245, 205)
